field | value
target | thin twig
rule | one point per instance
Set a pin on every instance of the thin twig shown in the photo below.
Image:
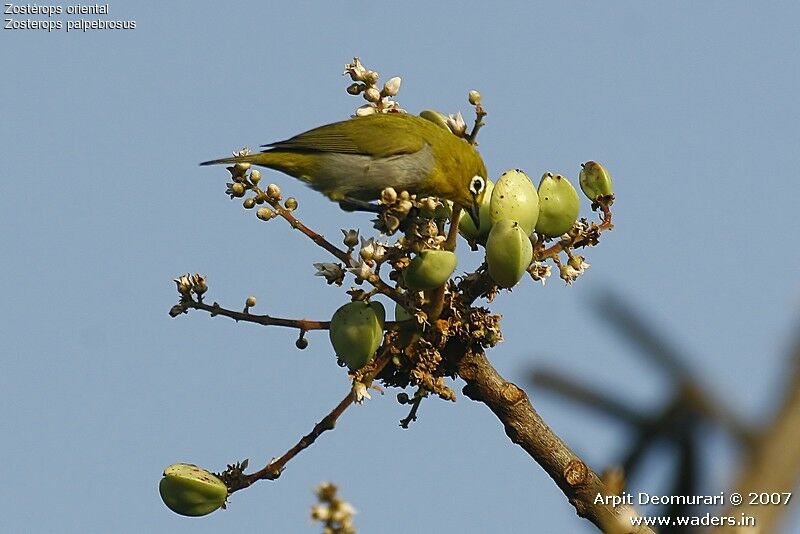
(540, 253)
(317, 238)
(266, 320)
(412, 414)
(340, 254)
(480, 113)
(274, 468)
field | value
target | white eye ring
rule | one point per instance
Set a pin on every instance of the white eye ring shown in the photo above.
(476, 185)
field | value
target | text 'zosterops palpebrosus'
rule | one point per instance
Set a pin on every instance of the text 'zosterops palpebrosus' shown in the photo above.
(360, 157)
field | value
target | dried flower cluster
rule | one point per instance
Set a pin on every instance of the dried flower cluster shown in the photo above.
(335, 514)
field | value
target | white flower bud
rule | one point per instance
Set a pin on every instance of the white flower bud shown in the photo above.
(392, 87)
(474, 97)
(365, 110)
(371, 94)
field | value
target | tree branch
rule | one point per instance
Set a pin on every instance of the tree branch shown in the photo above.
(525, 427)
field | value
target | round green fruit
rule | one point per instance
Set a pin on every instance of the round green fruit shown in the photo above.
(466, 226)
(356, 332)
(440, 119)
(558, 205)
(515, 198)
(408, 334)
(508, 252)
(430, 269)
(191, 491)
(595, 181)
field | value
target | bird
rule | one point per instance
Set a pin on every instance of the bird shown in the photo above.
(356, 159)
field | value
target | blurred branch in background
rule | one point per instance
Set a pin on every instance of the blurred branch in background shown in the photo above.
(770, 457)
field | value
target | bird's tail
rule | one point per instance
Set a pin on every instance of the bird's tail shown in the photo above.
(250, 158)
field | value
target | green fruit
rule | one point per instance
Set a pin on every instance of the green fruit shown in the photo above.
(430, 269)
(192, 491)
(401, 314)
(595, 181)
(466, 226)
(515, 198)
(356, 332)
(558, 205)
(439, 119)
(409, 334)
(508, 252)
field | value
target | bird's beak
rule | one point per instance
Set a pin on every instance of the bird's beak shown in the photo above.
(474, 213)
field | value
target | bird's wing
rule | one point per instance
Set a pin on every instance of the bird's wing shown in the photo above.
(377, 139)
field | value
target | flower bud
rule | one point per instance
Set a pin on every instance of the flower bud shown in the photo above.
(273, 192)
(237, 189)
(371, 94)
(392, 87)
(265, 214)
(240, 168)
(355, 88)
(249, 203)
(290, 204)
(388, 196)
(255, 176)
(365, 110)
(250, 302)
(474, 97)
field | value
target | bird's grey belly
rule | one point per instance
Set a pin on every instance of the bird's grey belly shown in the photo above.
(364, 177)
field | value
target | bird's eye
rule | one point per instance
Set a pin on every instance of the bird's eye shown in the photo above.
(476, 185)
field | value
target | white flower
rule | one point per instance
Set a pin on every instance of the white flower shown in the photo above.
(356, 70)
(379, 252)
(184, 284)
(361, 392)
(350, 238)
(568, 273)
(539, 272)
(333, 272)
(361, 271)
(579, 264)
(367, 251)
(456, 124)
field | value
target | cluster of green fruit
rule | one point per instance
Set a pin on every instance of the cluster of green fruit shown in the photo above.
(513, 209)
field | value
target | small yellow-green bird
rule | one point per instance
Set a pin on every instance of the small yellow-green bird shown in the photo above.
(358, 158)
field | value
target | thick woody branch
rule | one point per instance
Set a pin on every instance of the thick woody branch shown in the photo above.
(525, 427)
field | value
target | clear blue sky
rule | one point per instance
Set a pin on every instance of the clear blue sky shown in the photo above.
(693, 107)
